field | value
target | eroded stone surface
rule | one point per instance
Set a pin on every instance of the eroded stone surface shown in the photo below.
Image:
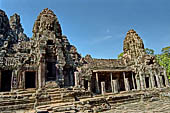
(62, 80)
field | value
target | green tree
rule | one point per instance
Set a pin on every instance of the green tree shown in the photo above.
(149, 51)
(164, 59)
(166, 51)
(120, 55)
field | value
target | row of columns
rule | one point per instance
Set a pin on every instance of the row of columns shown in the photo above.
(155, 80)
(140, 82)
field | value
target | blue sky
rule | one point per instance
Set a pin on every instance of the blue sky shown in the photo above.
(98, 27)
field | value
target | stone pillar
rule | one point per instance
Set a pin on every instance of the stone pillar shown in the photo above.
(41, 75)
(76, 77)
(115, 86)
(111, 77)
(157, 79)
(82, 82)
(150, 83)
(97, 83)
(36, 79)
(152, 80)
(14, 80)
(127, 84)
(141, 81)
(103, 89)
(166, 79)
(124, 77)
(23, 80)
(61, 76)
(0, 80)
(133, 81)
(138, 83)
(144, 81)
(161, 81)
(89, 85)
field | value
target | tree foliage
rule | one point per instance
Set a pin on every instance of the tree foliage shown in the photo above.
(164, 59)
(149, 51)
(120, 55)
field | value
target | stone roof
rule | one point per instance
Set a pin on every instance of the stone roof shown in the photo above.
(104, 64)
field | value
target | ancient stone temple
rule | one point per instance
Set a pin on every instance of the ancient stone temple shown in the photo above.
(55, 72)
(31, 63)
(136, 70)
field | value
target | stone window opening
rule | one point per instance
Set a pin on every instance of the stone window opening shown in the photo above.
(147, 82)
(51, 71)
(30, 79)
(6, 76)
(50, 42)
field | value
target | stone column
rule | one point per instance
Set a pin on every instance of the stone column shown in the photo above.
(61, 76)
(14, 80)
(111, 77)
(103, 89)
(152, 80)
(161, 81)
(115, 86)
(97, 83)
(124, 77)
(144, 81)
(157, 79)
(141, 81)
(166, 79)
(23, 80)
(127, 84)
(82, 82)
(150, 83)
(41, 75)
(89, 85)
(0, 80)
(138, 83)
(36, 78)
(133, 81)
(76, 77)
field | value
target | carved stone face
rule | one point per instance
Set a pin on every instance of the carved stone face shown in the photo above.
(4, 22)
(47, 22)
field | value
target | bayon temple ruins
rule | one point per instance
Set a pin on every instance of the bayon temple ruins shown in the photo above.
(47, 69)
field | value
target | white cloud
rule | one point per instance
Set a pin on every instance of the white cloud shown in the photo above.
(98, 40)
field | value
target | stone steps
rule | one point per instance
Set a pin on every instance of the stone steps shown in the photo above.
(18, 99)
(17, 107)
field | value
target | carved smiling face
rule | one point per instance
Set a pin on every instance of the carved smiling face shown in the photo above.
(4, 22)
(47, 22)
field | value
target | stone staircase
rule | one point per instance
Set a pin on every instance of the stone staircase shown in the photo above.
(97, 103)
(32, 98)
(20, 99)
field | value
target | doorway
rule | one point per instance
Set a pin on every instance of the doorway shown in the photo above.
(147, 82)
(51, 71)
(29, 80)
(6, 80)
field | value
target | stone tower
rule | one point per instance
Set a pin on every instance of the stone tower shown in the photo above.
(133, 46)
(17, 29)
